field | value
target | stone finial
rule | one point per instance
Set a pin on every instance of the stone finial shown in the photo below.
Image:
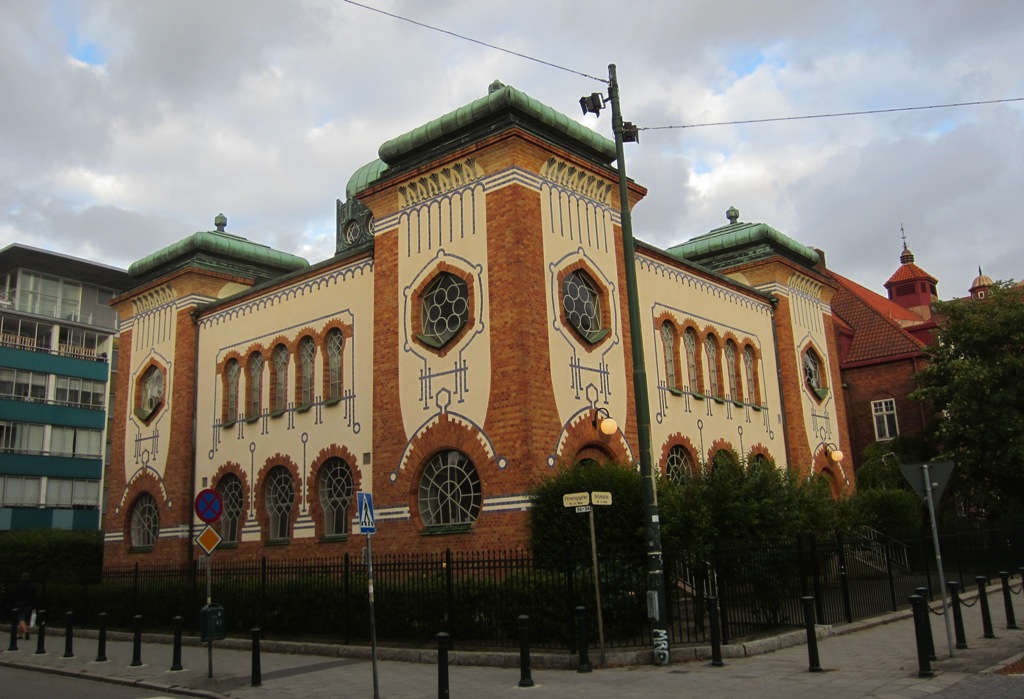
(733, 214)
(220, 221)
(494, 87)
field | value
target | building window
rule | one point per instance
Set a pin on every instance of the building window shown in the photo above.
(21, 437)
(307, 355)
(67, 492)
(255, 405)
(280, 369)
(814, 373)
(449, 492)
(81, 392)
(23, 385)
(231, 373)
(151, 387)
(582, 303)
(884, 412)
(711, 348)
(280, 495)
(74, 441)
(145, 522)
(690, 341)
(678, 464)
(669, 337)
(334, 487)
(21, 491)
(232, 496)
(735, 390)
(444, 311)
(335, 346)
(750, 371)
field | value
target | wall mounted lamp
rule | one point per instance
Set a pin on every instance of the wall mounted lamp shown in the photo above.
(835, 455)
(604, 422)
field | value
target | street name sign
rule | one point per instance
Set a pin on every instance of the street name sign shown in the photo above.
(599, 497)
(575, 499)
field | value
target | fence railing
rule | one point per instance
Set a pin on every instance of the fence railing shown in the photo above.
(477, 597)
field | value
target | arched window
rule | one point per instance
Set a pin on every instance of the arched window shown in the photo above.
(280, 496)
(449, 492)
(690, 340)
(231, 373)
(307, 354)
(668, 336)
(750, 369)
(335, 345)
(711, 348)
(444, 311)
(230, 489)
(280, 396)
(334, 488)
(581, 301)
(735, 390)
(678, 464)
(145, 522)
(255, 405)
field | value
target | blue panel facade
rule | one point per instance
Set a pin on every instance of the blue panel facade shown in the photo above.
(50, 466)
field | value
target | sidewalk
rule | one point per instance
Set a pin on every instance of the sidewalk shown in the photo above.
(874, 658)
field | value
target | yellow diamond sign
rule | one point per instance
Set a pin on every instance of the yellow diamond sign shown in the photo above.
(208, 539)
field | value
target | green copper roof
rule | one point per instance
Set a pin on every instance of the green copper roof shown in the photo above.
(740, 242)
(364, 177)
(232, 249)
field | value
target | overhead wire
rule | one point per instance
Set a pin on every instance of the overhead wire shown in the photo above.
(677, 126)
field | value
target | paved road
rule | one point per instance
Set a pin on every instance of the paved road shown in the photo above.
(868, 659)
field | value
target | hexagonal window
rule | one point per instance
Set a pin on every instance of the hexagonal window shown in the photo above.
(581, 301)
(444, 310)
(149, 393)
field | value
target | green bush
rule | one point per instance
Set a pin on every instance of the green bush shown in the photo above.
(891, 511)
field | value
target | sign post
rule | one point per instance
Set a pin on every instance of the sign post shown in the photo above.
(582, 502)
(368, 526)
(208, 507)
(929, 480)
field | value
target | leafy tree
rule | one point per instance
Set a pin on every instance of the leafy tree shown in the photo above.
(972, 380)
(558, 531)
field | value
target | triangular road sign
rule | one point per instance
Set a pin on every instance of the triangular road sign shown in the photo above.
(938, 473)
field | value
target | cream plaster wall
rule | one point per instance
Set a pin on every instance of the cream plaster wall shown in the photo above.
(344, 294)
(579, 228)
(683, 295)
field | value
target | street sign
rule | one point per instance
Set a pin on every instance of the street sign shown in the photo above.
(209, 505)
(583, 508)
(601, 498)
(575, 499)
(364, 506)
(938, 473)
(208, 539)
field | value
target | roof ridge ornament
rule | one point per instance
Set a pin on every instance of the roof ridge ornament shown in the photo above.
(733, 214)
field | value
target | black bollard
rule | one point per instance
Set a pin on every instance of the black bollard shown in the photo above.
(176, 654)
(136, 641)
(812, 637)
(14, 630)
(924, 667)
(986, 616)
(442, 665)
(69, 634)
(716, 631)
(929, 639)
(101, 645)
(525, 679)
(958, 616)
(41, 632)
(1011, 620)
(581, 640)
(257, 673)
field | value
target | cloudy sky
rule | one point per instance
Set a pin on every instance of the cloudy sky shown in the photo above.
(127, 125)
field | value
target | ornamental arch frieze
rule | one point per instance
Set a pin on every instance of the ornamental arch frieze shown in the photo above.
(581, 439)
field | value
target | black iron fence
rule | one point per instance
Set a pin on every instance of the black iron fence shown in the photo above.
(477, 597)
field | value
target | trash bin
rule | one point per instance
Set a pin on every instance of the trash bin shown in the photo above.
(211, 623)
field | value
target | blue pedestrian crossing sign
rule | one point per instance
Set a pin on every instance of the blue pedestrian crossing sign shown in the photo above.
(364, 505)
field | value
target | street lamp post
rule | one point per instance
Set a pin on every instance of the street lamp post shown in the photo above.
(657, 608)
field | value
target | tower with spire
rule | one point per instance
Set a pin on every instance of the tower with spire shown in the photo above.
(910, 286)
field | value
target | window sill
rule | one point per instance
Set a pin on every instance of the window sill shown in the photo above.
(698, 396)
(303, 408)
(277, 413)
(675, 391)
(441, 530)
(252, 418)
(276, 542)
(720, 401)
(333, 401)
(758, 408)
(333, 538)
(227, 545)
(228, 423)
(141, 549)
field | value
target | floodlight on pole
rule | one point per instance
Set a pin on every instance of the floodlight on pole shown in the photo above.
(657, 608)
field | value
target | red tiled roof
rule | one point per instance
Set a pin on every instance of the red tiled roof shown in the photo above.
(909, 272)
(877, 333)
